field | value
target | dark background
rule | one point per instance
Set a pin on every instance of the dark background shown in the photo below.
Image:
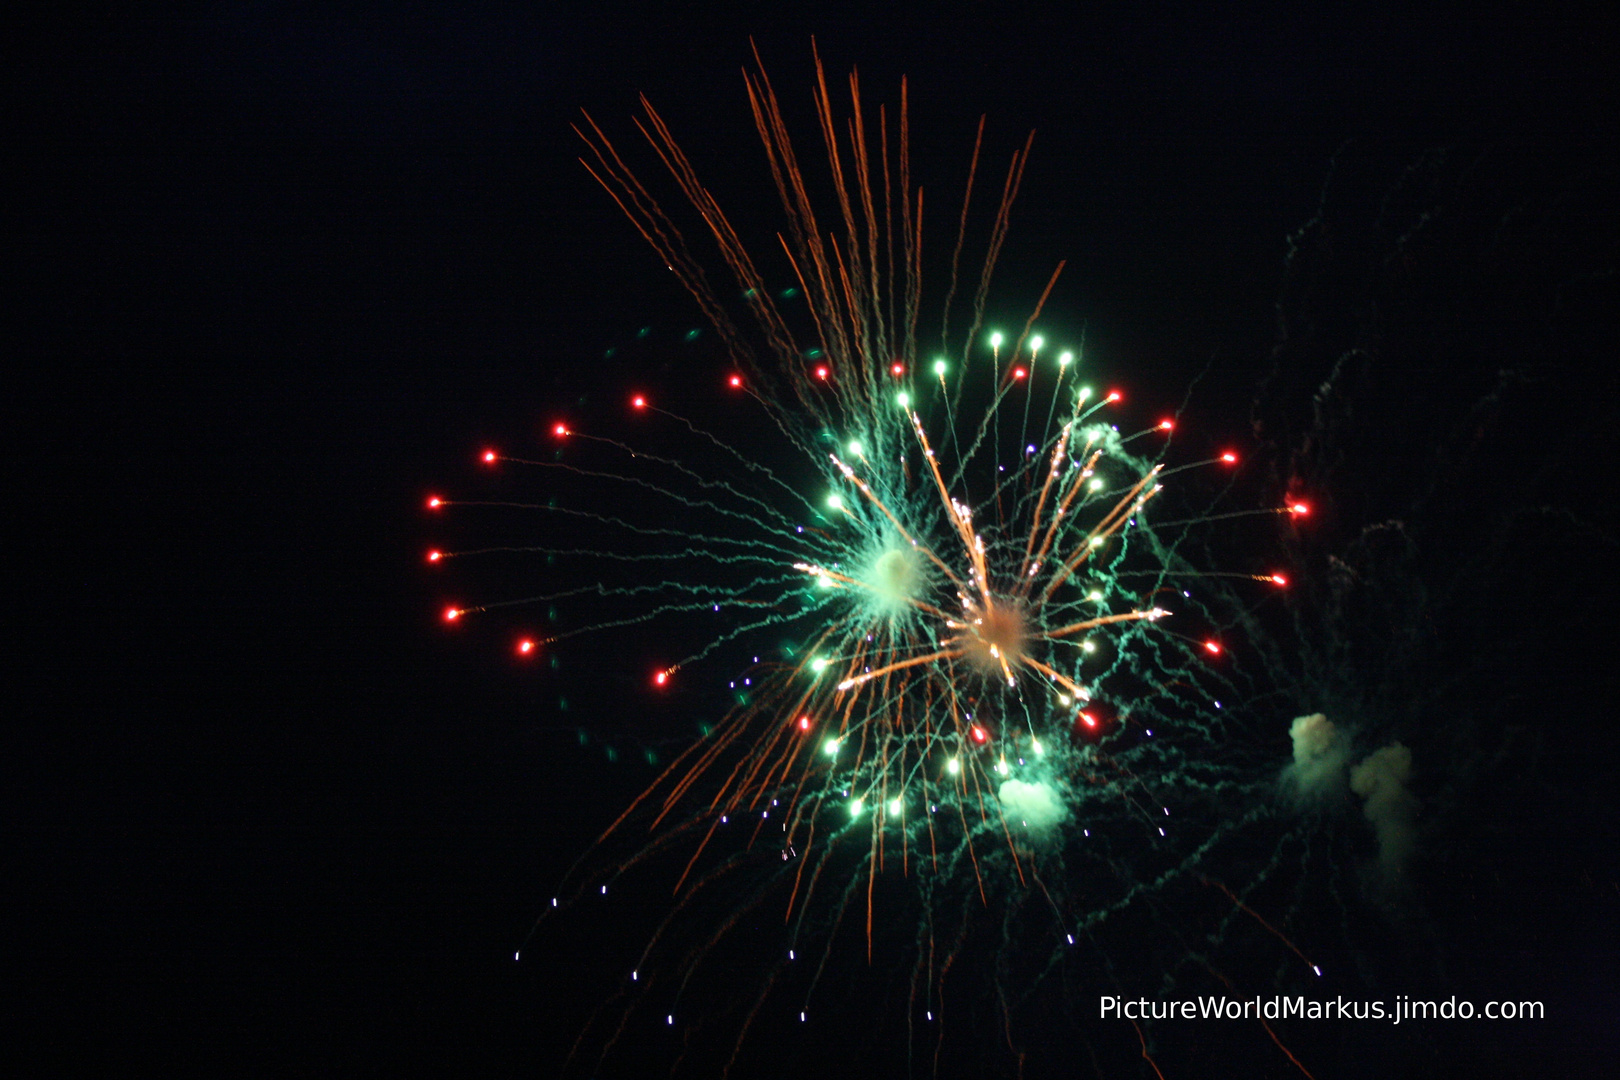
(278, 270)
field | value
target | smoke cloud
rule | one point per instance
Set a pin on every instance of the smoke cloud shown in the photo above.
(1320, 755)
(1320, 775)
(1392, 809)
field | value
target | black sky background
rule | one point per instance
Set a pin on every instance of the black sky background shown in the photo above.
(279, 270)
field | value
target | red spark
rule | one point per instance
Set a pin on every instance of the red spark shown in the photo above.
(1019, 373)
(661, 678)
(452, 614)
(822, 372)
(560, 430)
(979, 734)
(525, 647)
(490, 457)
(638, 402)
(1088, 720)
(1212, 647)
(1279, 579)
(804, 723)
(1114, 395)
(1229, 457)
(1300, 509)
(434, 502)
(735, 382)
(1167, 425)
(897, 369)
(435, 556)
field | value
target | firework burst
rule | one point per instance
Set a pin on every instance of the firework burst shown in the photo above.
(974, 679)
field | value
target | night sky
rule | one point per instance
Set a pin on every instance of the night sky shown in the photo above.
(279, 271)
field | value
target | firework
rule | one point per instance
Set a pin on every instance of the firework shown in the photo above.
(977, 682)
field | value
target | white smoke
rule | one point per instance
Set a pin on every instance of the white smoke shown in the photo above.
(1320, 776)
(1392, 809)
(1320, 756)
